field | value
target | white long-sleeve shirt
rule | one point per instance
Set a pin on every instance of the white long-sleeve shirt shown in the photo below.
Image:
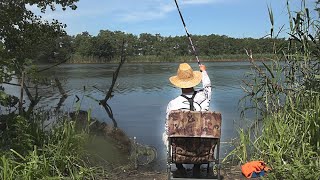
(201, 101)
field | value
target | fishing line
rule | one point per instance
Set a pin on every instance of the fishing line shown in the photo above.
(189, 36)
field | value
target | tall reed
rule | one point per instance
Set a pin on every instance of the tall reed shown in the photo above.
(284, 96)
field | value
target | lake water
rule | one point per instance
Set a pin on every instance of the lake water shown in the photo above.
(142, 94)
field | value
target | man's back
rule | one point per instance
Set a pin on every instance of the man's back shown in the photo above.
(201, 99)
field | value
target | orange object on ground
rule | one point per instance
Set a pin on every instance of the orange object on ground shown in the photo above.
(253, 167)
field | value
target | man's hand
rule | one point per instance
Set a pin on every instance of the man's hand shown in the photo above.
(202, 67)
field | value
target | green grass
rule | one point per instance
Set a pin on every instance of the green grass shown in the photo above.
(67, 149)
(290, 139)
(31, 152)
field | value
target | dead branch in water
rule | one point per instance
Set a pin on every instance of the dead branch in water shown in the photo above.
(109, 95)
(34, 100)
(61, 90)
(63, 93)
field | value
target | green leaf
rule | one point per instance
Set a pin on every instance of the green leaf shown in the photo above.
(268, 68)
(271, 19)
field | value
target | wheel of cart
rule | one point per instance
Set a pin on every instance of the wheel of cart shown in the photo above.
(194, 138)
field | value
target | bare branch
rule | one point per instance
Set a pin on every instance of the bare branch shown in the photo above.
(61, 101)
(109, 93)
(13, 84)
(34, 100)
(115, 76)
(21, 94)
(98, 89)
(63, 93)
(28, 92)
(61, 90)
(47, 68)
(110, 114)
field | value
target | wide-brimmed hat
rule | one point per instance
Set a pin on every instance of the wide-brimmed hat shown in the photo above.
(186, 77)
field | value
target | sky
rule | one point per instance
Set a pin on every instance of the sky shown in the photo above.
(233, 18)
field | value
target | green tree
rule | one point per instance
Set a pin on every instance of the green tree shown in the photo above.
(83, 44)
(146, 43)
(26, 36)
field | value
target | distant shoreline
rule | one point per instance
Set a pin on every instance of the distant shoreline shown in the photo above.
(159, 61)
(143, 62)
(78, 59)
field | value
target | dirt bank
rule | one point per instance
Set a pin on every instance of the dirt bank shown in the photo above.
(227, 173)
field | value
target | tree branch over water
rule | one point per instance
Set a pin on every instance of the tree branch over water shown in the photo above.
(57, 64)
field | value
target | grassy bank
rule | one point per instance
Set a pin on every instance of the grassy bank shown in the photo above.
(77, 59)
(30, 150)
(289, 141)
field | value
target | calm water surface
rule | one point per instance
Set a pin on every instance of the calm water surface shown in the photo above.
(142, 94)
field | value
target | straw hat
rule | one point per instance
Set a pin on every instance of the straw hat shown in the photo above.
(186, 77)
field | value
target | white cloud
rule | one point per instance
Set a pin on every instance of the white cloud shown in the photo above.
(115, 12)
(124, 10)
(200, 1)
(147, 11)
(155, 9)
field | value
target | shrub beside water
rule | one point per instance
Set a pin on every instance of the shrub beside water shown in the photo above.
(291, 139)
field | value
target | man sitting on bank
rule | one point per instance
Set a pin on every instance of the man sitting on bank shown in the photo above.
(187, 79)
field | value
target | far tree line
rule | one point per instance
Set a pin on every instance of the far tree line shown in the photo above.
(106, 46)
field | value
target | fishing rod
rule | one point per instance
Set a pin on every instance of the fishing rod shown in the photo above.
(189, 36)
